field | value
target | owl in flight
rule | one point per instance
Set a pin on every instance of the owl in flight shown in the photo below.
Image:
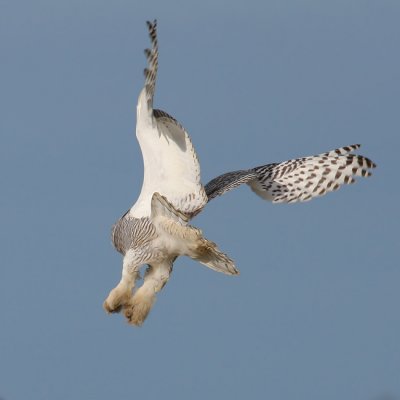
(156, 230)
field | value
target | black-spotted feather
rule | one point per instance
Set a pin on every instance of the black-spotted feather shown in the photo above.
(299, 179)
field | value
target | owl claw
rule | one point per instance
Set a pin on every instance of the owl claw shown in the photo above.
(117, 298)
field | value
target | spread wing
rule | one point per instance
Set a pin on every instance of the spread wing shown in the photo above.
(171, 166)
(300, 179)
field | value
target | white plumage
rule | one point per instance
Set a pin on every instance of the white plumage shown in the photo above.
(171, 166)
(155, 230)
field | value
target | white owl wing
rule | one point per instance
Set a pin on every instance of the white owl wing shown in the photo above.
(171, 166)
(299, 179)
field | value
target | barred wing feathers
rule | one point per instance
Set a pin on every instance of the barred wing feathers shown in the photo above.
(299, 179)
(226, 182)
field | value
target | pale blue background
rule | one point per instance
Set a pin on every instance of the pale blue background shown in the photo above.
(315, 311)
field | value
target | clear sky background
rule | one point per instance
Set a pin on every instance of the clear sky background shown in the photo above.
(315, 311)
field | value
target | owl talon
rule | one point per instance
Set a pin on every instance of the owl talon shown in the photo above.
(117, 298)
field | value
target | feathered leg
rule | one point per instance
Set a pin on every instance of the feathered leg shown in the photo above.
(122, 293)
(139, 306)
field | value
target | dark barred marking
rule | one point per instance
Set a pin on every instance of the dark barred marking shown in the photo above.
(150, 72)
(129, 233)
(163, 114)
(281, 182)
(223, 183)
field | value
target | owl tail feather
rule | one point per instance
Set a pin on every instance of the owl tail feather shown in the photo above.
(208, 254)
(191, 241)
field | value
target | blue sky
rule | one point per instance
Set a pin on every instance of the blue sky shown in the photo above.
(315, 311)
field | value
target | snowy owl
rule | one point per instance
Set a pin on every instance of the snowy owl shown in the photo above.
(156, 230)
